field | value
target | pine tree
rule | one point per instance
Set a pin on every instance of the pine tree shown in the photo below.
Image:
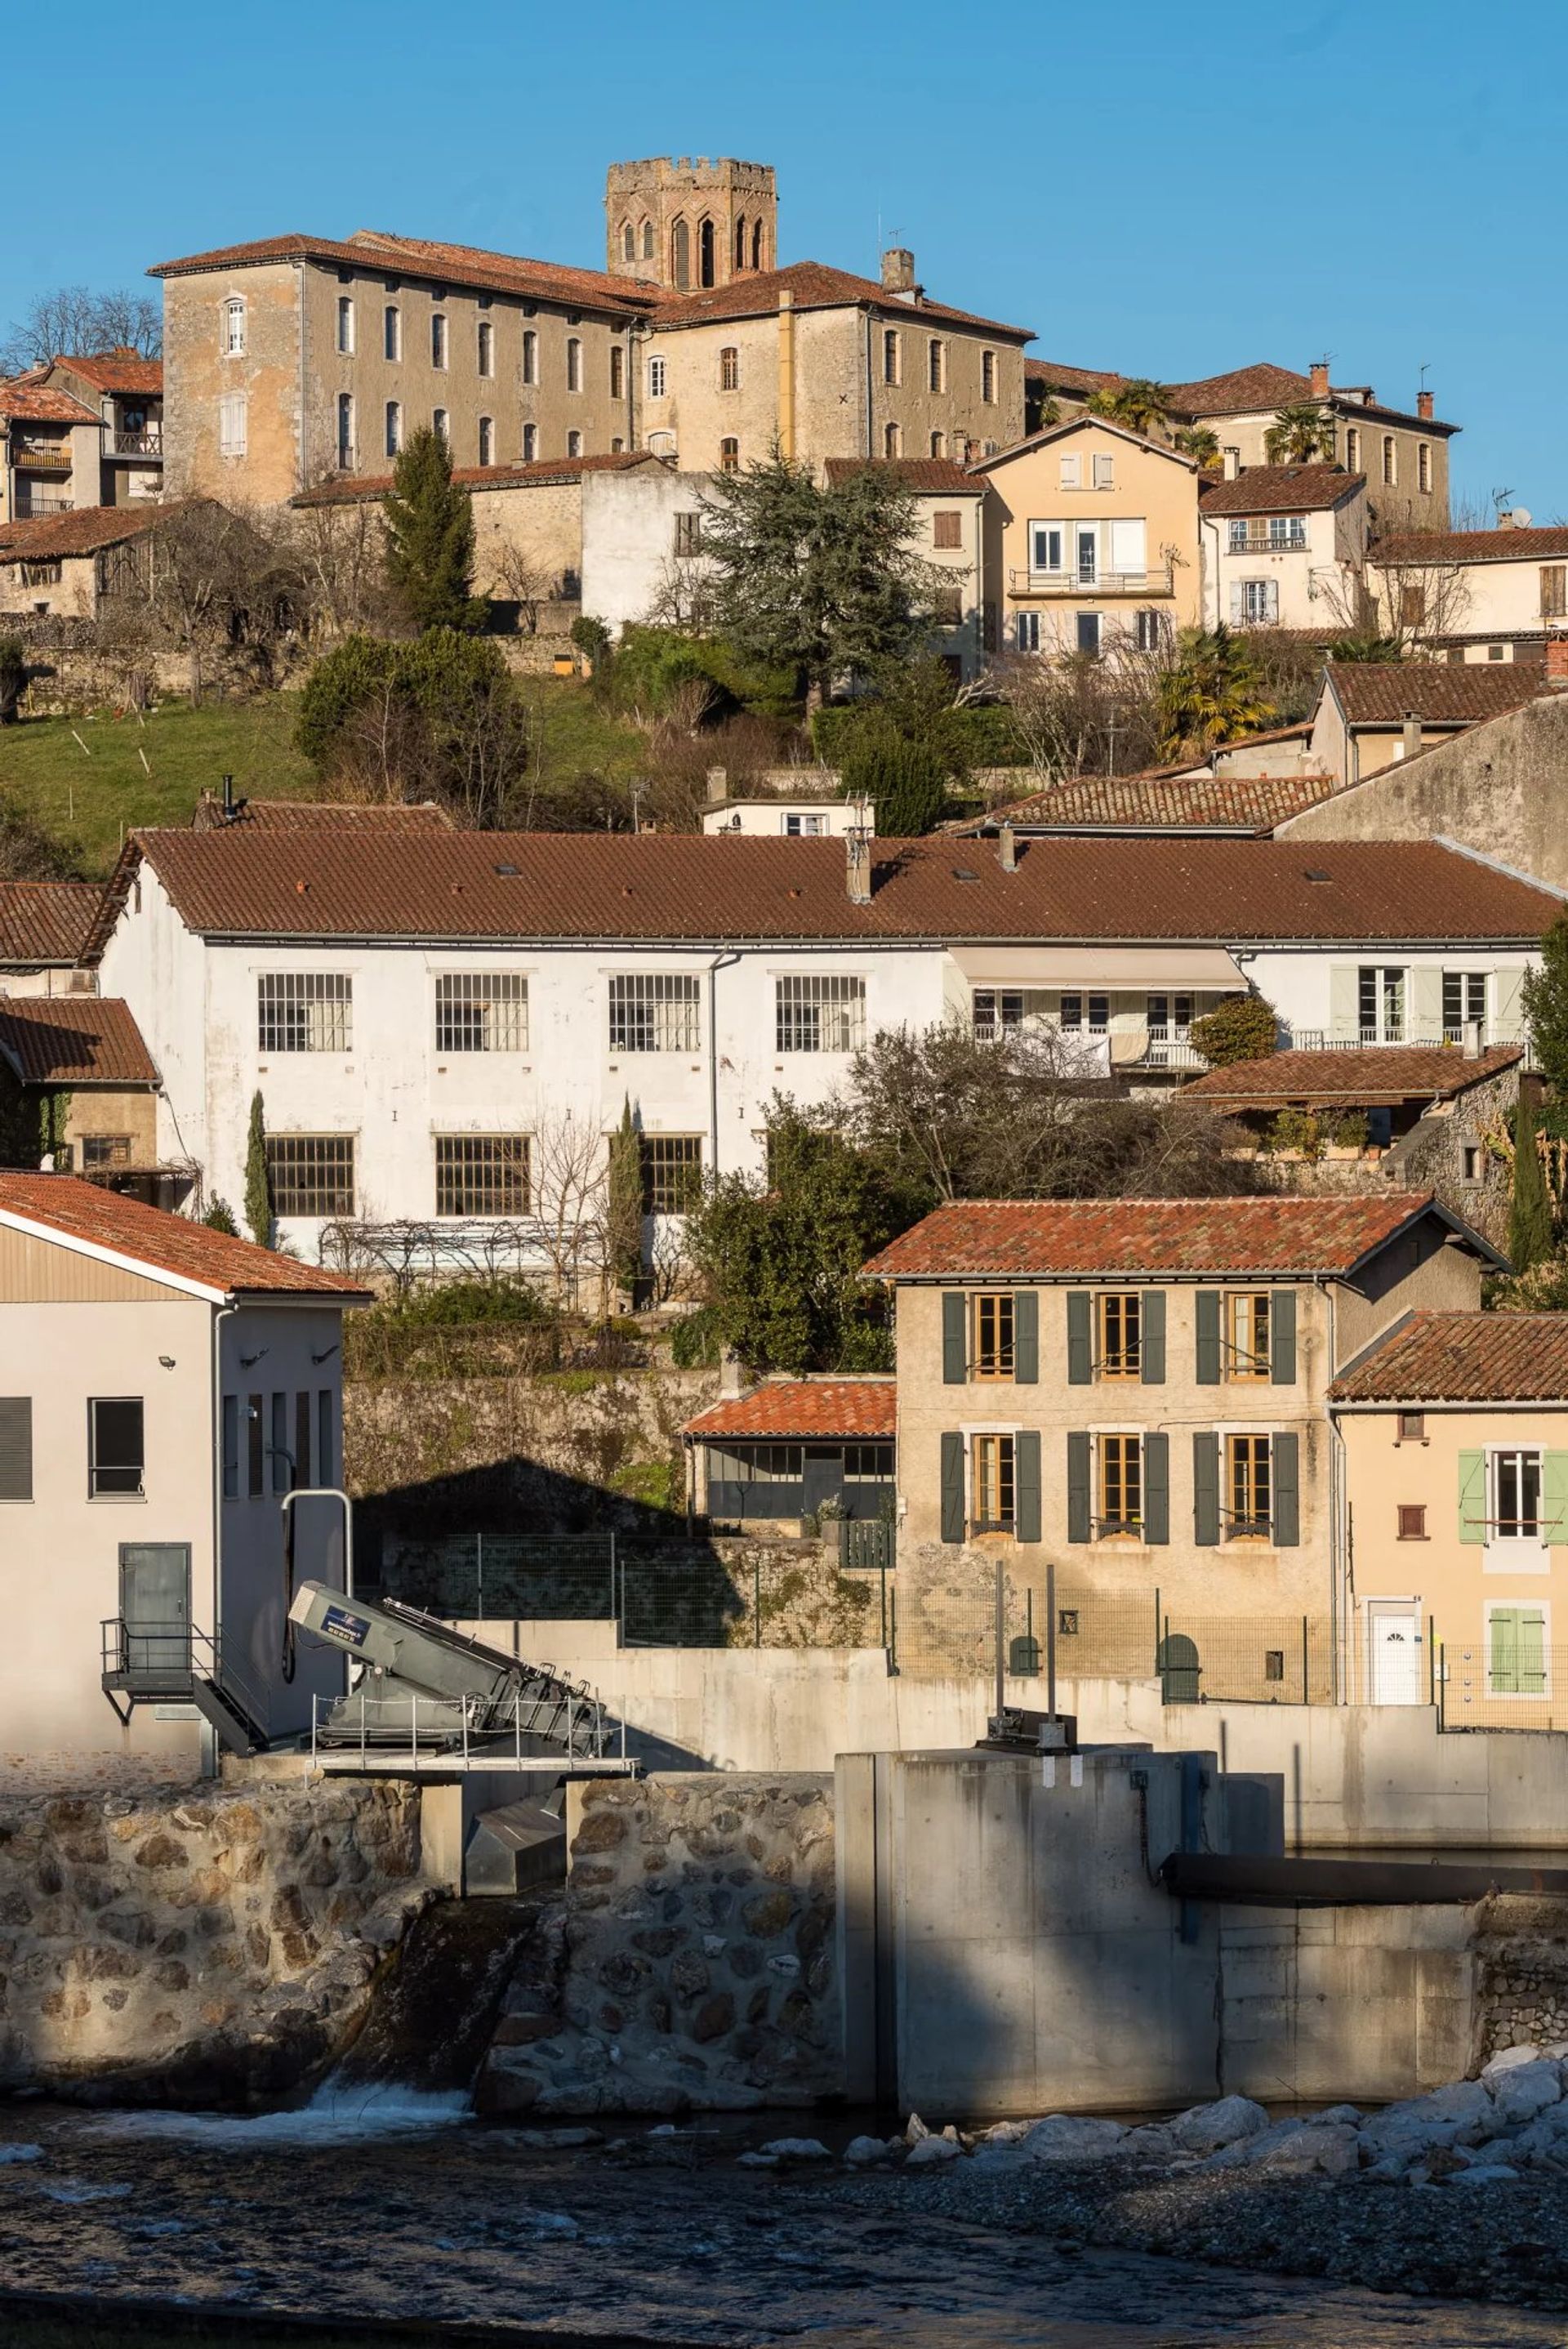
(431, 537)
(624, 1205)
(258, 1181)
(1530, 1213)
(903, 780)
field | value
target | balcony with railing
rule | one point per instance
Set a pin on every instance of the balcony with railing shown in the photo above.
(1149, 579)
(1288, 538)
(147, 442)
(40, 456)
(34, 506)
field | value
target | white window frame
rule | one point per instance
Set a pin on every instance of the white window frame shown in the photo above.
(346, 324)
(1041, 534)
(819, 1011)
(1027, 631)
(233, 424)
(1254, 602)
(233, 326)
(482, 1011)
(1515, 1553)
(655, 1011)
(1383, 1031)
(658, 377)
(304, 1011)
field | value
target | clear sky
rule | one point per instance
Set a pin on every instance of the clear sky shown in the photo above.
(1161, 190)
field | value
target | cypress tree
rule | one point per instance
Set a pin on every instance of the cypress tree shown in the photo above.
(258, 1182)
(431, 537)
(1529, 1212)
(624, 1205)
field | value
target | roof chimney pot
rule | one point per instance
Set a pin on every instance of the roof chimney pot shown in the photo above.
(717, 782)
(898, 270)
(1411, 735)
(858, 866)
(1557, 663)
(1319, 378)
(1007, 848)
(1232, 462)
(1424, 406)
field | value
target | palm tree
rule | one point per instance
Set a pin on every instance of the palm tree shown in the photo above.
(1299, 434)
(1139, 403)
(1198, 441)
(1211, 693)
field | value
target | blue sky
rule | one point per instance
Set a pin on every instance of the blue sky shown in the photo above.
(1160, 189)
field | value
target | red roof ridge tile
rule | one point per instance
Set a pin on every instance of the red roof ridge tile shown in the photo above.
(88, 1215)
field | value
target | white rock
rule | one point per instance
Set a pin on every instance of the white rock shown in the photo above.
(1523, 2090)
(1508, 2058)
(1005, 2132)
(933, 2149)
(798, 2148)
(1463, 2110)
(1294, 2149)
(1205, 2127)
(1242, 2151)
(1151, 2143)
(861, 2151)
(1484, 2173)
(914, 2129)
(1071, 2137)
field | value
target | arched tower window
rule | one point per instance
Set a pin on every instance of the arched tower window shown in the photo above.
(707, 271)
(628, 242)
(756, 246)
(648, 240)
(680, 255)
(740, 242)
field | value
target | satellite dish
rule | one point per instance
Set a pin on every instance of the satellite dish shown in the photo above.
(1514, 518)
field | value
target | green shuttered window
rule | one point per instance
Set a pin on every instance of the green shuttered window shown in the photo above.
(1207, 1303)
(1153, 1320)
(953, 1487)
(1516, 1652)
(955, 1338)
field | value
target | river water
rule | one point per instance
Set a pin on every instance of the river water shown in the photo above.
(375, 2202)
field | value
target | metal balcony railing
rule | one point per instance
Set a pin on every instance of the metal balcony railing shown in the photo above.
(1154, 579)
(34, 508)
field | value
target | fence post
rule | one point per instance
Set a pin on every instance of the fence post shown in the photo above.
(613, 1611)
(1305, 1662)
(479, 1573)
(891, 1627)
(1157, 1627)
(1001, 1638)
(757, 1602)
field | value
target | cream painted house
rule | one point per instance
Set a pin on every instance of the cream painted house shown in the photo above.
(1091, 535)
(1481, 595)
(1283, 547)
(1453, 1428)
(1136, 1390)
(1372, 714)
(162, 1387)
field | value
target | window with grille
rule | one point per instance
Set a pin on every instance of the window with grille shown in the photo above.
(235, 328)
(1121, 1485)
(481, 1175)
(729, 368)
(672, 1173)
(821, 1013)
(1464, 1000)
(993, 1484)
(892, 355)
(655, 1011)
(658, 377)
(103, 1149)
(482, 1011)
(1424, 467)
(936, 364)
(988, 375)
(311, 1174)
(991, 1338)
(1121, 1335)
(304, 1011)
(1247, 1484)
(755, 1463)
(869, 1464)
(1390, 462)
(617, 372)
(1247, 1334)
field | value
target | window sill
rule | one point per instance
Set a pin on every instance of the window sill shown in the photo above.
(117, 1500)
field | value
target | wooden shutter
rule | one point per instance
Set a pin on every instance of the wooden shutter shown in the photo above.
(1344, 1003)
(1026, 1338)
(1507, 1026)
(1207, 1303)
(1472, 1498)
(1081, 1338)
(1281, 1337)
(1152, 1333)
(1026, 1484)
(1157, 1488)
(16, 1447)
(1503, 1659)
(1078, 1492)
(954, 1336)
(1427, 1006)
(1554, 1497)
(953, 1489)
(1284, 1467)
(1206, 1486)
(1532, 1652)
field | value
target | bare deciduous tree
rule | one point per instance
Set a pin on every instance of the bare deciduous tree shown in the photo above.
(568, 1175)
(340, 551)
(523, 580)
(1080, 717)
(75, 321)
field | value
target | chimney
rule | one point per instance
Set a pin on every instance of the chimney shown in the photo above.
(1411, 735)
(898, 270)
(1424, 406)
(734, 1377)
(718, 784)
(228, 799)
(1317, 375)
(1007, 849)
(858, 866)
(1233, 464)
(1557, 663)
(1472, 1039)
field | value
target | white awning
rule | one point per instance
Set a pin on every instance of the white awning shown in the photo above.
(1207, 968)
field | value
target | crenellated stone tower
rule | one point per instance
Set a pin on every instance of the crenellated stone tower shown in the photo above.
(683, 223)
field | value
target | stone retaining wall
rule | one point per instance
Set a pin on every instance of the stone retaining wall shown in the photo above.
(196, 1949)
(1522, 1987)
(695, 1969)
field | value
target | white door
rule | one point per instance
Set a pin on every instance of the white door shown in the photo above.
(1394, 1639)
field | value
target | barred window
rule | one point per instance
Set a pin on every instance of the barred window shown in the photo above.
(481, 1175)
(822, 1014)
(654, 1012)
(869, 1464)
(756, 1463)
(304, 1011)
(482, 1011)
(311, 1174)
(100, 1150)
(672, 1173)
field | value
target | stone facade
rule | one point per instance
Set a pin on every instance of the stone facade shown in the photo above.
(197, 1948)
(1521, 1989)
(648, 205)
(695, 1969)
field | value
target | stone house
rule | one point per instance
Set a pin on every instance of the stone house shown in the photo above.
(1137, 1391)
(1454, 1433)
(78, 1092)
(128, 392)
(65, 565)
(1372, 714)
(44, 931)
(1283, 547)
(1478, 595)
(48, 452)
(788, 1448)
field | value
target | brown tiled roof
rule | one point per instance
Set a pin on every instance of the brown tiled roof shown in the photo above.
(927, 476)
(815, 287)
(43, 403)
(86, 531)
(1240, 391)
(1279, 488)
(1380, 1075)
(1463, 1358)
(118, 371)
(306, 815)
(794, 1408)
(458, 264)
(352, 489)
(329, 882)
(1440, 693)
(1253, 804)
(1027, 1238)
(46, 921)
(1549, 543)
(1067, 425)
(83, 1039)
(1053, 374)
(165, 1243)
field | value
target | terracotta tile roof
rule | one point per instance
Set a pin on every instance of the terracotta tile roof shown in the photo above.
(1068, 425)
(1549, 544)
(352, 489)
(307, 815)
(86, 531)
(1463, 1358)
(46, 921)
(797, 1408)
(1279, 488)
(927, 476)
(699, 887)
(165, 1243)
(118, 371)
(43, 403)
(1053, 374)
(82, 1040)
(1253, 804)
(1380, 1075)
(1261, 388)
(458, 264)
(1045, 1240)
(815, 287)
(1459, 693)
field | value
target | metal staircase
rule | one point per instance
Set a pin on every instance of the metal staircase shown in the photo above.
(177, 1664)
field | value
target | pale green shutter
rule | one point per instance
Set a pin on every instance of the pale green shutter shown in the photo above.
(1156, 1488)
(1207, 1303)
(1081, 1338)
(1281, 1337)
(1472, 1497)
(1504, 1660)
(1152, 1331)
(1554, 1495)
(1344, 1003)
(1026, 1338)
(1532, 1652)
(1078, 1510)
(1427, 1007)
(1026, 1484)
(955, 1337)
(1205, 1487)
(1285, 1468)
(1507, 1024)
(953, 1489)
